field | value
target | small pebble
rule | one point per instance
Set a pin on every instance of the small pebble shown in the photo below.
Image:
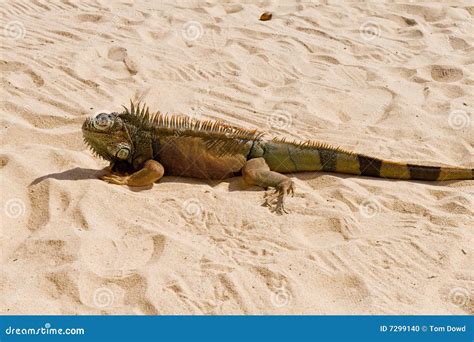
(266, 16)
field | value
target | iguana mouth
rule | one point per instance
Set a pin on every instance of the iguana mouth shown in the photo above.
(88, 125)
(92, 135)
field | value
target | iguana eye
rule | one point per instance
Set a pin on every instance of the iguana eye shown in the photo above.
(103, 121)
(123, 153)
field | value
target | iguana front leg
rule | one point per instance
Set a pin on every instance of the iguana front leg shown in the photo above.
(257, 172)
(147, 175)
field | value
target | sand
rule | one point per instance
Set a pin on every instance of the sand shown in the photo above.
(395, 81)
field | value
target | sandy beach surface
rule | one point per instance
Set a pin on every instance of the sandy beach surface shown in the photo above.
(392, 80)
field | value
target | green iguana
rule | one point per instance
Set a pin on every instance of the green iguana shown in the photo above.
(142, 147)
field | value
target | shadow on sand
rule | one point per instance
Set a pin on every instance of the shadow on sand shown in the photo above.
(78, 173)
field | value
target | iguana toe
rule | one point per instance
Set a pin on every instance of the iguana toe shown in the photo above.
(115, 179)
(276, 199)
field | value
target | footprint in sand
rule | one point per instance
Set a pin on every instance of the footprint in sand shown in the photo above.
(445, 73)
(117, 53)
(458, 43)
(120, 256)
(89, 18)
(14, 67)
(120, 54)
(129, 293)
(46, 252)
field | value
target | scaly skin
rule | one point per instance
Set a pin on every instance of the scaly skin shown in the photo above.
(142, 148)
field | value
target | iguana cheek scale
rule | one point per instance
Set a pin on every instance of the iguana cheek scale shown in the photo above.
(148, 146)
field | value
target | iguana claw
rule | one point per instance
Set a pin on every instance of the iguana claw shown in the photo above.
(115, 179)
(276, 200)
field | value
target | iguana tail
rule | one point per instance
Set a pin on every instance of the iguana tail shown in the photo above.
(283, 156)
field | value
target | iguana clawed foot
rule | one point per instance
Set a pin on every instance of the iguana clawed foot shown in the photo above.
(146, 176)
(115, 179)
(276, 199)
(257, 172)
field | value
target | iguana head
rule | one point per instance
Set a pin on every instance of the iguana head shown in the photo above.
(108, 137)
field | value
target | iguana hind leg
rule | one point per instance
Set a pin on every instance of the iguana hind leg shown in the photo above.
(150, 173)
(257, 172)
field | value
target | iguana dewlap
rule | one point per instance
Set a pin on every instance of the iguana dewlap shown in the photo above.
(147, 146)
